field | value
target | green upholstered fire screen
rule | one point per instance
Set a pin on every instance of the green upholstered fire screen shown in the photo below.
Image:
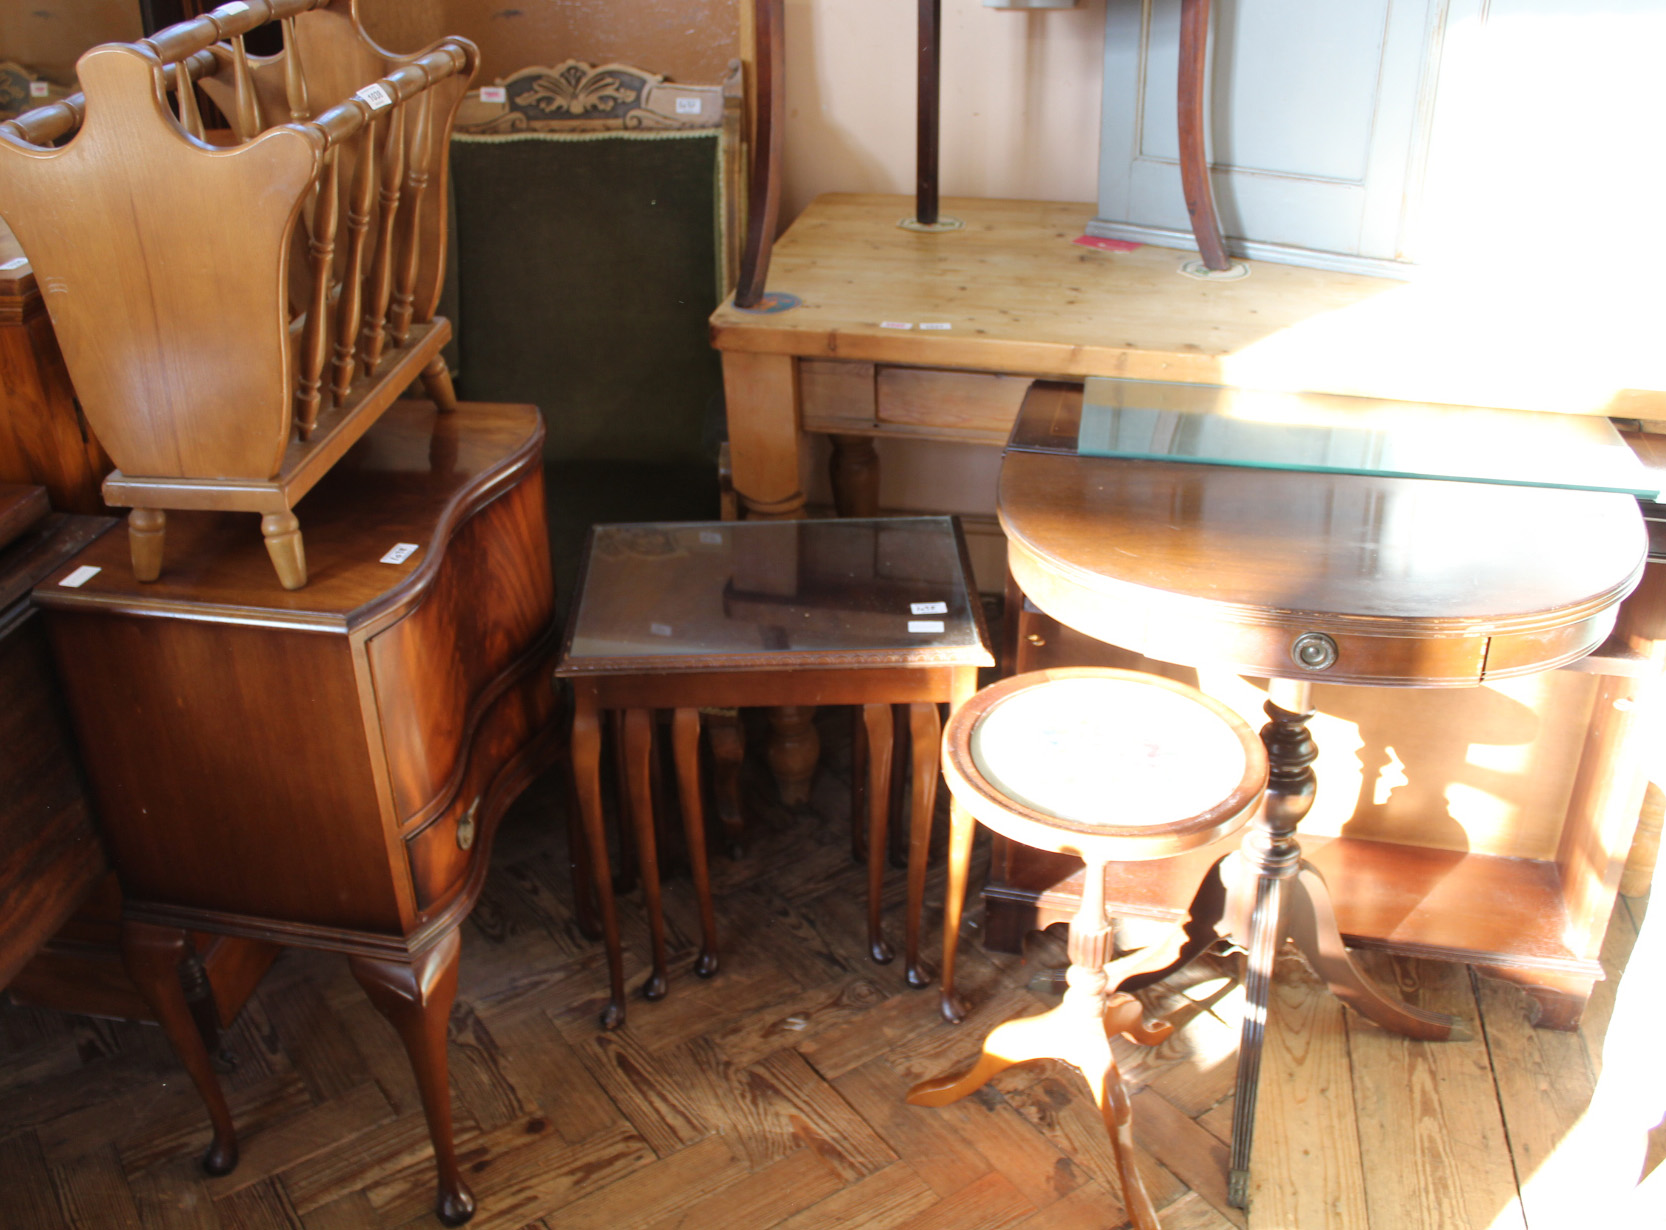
(586, 266)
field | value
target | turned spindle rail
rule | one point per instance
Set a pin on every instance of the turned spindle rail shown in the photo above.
(236, 308)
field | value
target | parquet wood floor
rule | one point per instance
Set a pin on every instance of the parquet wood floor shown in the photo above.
(771, 1095)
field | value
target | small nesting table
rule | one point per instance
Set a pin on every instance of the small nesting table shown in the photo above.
(693, 616)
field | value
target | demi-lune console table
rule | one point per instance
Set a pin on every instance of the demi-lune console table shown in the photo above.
(1316, 580)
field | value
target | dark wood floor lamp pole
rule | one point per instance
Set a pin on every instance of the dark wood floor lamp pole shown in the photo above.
(925, 139)
(1194, 154)
(763, 204)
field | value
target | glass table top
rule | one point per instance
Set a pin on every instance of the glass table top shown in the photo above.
(756, 594)
(1212, 425)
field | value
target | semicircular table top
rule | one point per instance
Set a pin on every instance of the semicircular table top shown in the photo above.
(1417, 582)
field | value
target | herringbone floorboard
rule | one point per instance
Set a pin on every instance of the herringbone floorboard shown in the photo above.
(771, 1095)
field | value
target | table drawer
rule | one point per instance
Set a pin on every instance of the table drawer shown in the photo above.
(838, 396)
(961, 405)
(1456, 661)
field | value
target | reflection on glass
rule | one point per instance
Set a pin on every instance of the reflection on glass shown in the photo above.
(1210, 425)
(740, 587)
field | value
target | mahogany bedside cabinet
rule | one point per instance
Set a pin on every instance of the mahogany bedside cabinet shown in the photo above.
(324, 767)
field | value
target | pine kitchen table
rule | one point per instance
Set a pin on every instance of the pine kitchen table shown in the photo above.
(899, 333)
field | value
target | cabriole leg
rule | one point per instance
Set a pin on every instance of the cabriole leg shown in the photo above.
(152, 955)
(876, 721)
(685, 737)
(416, 996)
(926, 729)
(587, 784)
(639, 749)
(961, 829)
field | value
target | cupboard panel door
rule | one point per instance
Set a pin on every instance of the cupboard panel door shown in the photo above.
(1317, 114)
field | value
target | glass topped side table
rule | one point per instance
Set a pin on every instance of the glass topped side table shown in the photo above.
(707, 615)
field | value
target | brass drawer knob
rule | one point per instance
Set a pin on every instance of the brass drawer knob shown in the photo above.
(1313, 651)
(465, 827)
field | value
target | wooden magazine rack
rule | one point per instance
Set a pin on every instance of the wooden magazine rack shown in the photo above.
(234, 316)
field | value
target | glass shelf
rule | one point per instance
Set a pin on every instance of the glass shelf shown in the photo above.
(1212, 425)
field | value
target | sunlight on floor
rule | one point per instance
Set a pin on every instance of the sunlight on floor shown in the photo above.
(1593, 1176)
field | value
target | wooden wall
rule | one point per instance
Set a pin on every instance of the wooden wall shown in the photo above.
(48, 36)
(686, 40)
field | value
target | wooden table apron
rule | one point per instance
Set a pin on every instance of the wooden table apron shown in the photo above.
(847, 685)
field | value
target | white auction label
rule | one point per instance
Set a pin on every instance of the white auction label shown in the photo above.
(80, 576)
(39, 89)
(935, 324)
(711, 538)
(925, 625)
(895, 324)
(493, 94)
(401, 552)
(660, 629)
(929, 608)
(235, 9)
(688, 106)
(375, 96)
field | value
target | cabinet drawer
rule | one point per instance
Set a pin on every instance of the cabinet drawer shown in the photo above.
(443, 851)
(440, 852)
(489, 602)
